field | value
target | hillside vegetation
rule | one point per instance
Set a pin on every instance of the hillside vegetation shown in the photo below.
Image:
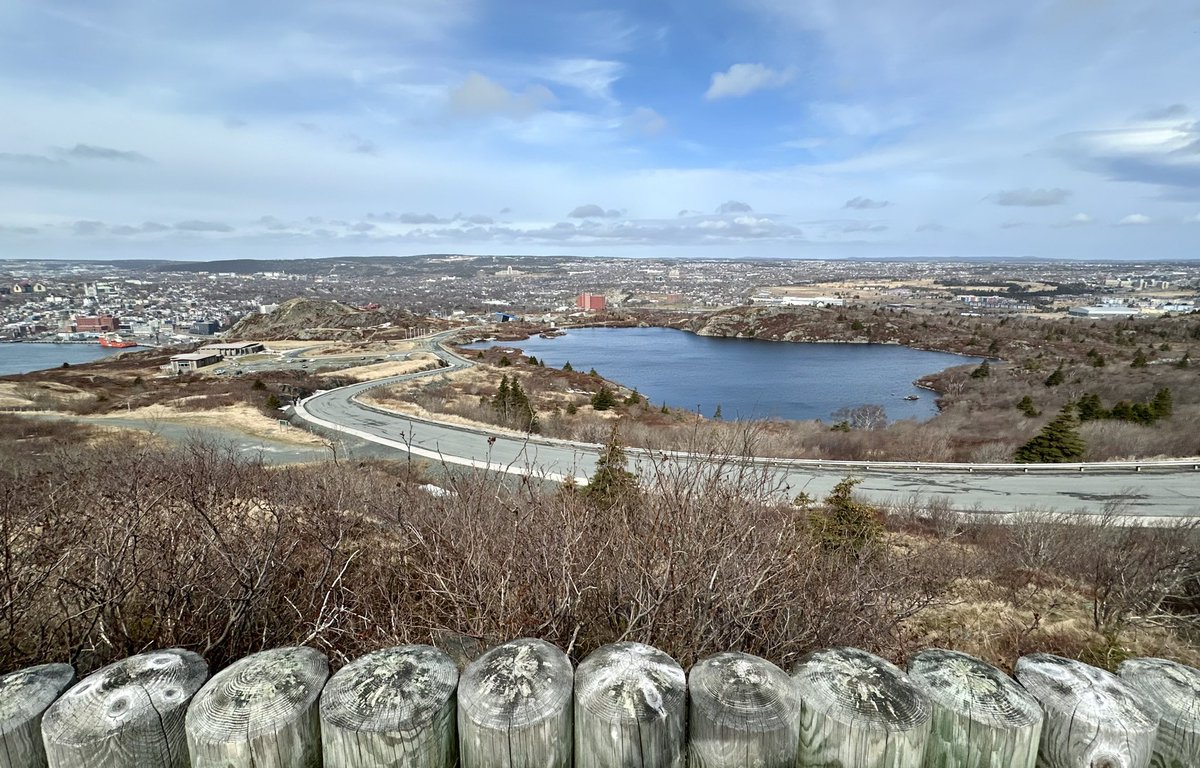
(111, 549)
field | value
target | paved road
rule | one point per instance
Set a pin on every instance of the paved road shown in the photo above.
(1148, 493)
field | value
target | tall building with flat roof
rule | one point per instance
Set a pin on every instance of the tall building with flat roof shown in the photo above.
(590, 302)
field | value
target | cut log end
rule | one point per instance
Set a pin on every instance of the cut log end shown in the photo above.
(125, 697)
(853, 686)
(743, 692)
(1084, 691)
(27, 693)
(630, 682)
(971, 687)
(514, 685)
(257, 694)
(1169, 688)
(1092, 718)
(391, 690)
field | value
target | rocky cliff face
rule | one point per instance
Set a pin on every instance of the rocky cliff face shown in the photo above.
(313, 319)
(813, 324)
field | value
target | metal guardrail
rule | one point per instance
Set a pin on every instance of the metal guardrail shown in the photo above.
(1165, 465)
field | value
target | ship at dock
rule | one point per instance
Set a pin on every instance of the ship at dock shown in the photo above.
(116, 341)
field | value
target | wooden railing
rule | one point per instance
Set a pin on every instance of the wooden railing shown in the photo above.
(523, 704)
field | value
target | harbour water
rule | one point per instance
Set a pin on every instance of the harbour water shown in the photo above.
(24, 357)
(749, 378)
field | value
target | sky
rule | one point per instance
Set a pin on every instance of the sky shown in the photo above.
(213, 129)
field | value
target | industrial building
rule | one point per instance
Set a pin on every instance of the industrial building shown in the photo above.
(234, 349)
(193, 361)
(590, 302)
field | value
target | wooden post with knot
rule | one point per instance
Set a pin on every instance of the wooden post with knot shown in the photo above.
(1092, 718)
(128, 714)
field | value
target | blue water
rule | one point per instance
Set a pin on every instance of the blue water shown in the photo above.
(749, 378)
(23, 358)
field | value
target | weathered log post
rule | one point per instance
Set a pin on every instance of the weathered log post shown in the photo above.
(630, 709)
(24, 697)
(394, 707)
(1093, 720)
(1172, 692)
(859, 710)
(743, 711)
(981, 717)
(128, 714)
(514, 707)
(260, 712)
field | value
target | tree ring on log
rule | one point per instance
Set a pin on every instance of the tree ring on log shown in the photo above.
(257, 695)
(395, 689)
(125, 697)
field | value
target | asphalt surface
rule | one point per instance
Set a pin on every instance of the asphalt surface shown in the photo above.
(1160, 494)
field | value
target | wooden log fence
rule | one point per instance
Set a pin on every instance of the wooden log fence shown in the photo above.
(522, 704)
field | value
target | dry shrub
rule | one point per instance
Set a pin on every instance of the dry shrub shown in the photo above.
(110, 550)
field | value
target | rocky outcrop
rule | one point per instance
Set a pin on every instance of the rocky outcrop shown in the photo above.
(314, 319)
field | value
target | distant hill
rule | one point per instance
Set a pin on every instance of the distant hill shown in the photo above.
(316, 319)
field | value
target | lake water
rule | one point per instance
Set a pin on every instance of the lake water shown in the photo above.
(749, 378)
(23, 358)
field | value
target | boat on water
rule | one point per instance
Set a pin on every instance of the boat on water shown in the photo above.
(912, 397)
(116, 341)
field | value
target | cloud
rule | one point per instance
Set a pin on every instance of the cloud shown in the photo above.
(479, 219)
(154, 226)
(743, 79)
(1030, 198)
(931, 226)
(1134, 219)
(24, 159)
(592, 211)
(195, 225)
(645, 121)
(733, 206)
(92, 152)
(87, 228)
(865, 203)
(850, 227)
(1167, 156)
(18, 230)
(479, 96)
(1169, 112)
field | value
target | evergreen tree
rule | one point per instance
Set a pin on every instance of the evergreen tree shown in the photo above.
(1027, 407)
(1056, 378)
(604, 399)
(611, 483)
(533, 360)
(717, 413)
(504, 361)
(1139, 360)
(1184, 361)
(634, 398)
(567, 366)
(1162, 406)
(1058, 442)
(982, 372)
(845, 524)
(664, 408)
(1090, 408)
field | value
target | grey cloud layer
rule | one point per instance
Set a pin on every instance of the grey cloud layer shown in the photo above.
(1030, 198)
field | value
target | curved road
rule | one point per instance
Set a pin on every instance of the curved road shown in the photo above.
(1151, 491)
